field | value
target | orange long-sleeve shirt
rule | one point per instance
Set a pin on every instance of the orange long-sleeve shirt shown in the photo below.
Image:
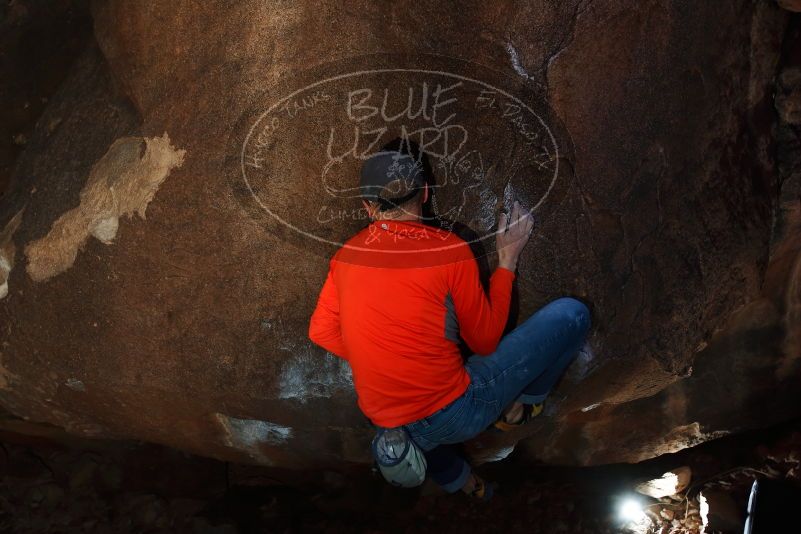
(396, 299)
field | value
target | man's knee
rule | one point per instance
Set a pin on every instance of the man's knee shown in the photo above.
(574, 311)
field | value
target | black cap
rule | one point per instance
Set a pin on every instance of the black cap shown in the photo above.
(385, 167)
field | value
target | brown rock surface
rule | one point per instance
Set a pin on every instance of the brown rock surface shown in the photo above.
(188, 328)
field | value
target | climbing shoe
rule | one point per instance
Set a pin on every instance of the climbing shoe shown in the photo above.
(530, 411)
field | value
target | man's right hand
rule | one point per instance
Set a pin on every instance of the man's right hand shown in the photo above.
(512, 235)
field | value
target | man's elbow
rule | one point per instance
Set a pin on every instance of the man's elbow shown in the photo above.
(484, 349)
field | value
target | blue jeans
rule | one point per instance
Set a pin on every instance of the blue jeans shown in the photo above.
(526, 365)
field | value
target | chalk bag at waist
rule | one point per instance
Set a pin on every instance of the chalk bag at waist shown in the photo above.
(400, 461)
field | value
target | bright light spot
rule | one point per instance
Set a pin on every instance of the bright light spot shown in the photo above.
(704, 509)
(632, 514)
(631, 511)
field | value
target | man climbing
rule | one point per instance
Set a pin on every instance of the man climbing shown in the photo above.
(399, 295)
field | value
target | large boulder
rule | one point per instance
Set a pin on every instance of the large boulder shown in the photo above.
(179, 200)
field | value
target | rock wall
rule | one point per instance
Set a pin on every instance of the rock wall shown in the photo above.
(152, 294)
(44, 35)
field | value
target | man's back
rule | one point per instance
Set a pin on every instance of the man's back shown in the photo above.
(394, 300)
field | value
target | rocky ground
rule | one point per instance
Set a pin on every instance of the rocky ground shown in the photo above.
(132, 487)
